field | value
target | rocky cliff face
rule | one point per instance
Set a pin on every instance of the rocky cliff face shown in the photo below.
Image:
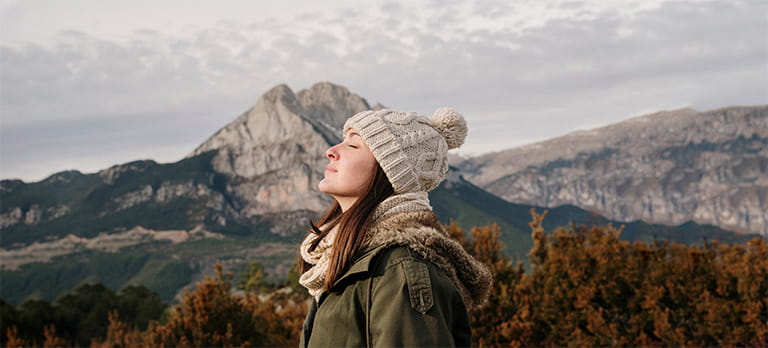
(668, 167)
(273, 154)
(261, 169)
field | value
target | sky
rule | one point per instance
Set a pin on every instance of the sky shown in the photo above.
(87, 84)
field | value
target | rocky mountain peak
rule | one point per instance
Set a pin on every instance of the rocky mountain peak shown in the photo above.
(63, 176)
(113, 173)
(279, 115)
(331, 104)
(275, 151)
(279, 93)
(9, 185)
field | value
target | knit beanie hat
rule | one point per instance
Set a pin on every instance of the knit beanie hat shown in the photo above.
(411, 148)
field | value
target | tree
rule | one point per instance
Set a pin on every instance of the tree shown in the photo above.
(34, 316)
(254, 279)
(138, 305)
(79, 316)
(9, 317)
(83, 314)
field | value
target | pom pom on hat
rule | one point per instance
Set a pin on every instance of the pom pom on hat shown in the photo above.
(451, 125)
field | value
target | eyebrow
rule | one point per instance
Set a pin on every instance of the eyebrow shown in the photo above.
(354, 133)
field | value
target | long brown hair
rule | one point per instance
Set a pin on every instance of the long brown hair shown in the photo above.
(352, 225)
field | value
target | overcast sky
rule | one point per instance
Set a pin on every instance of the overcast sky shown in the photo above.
(88, 84)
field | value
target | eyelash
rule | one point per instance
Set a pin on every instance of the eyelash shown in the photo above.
(352, 146)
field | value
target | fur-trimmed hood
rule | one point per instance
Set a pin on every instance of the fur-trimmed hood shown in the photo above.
(422, 233)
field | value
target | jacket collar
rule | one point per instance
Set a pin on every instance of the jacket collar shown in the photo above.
(423, 234)
(362, 264)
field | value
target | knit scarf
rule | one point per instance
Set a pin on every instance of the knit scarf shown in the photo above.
(407, 219)
(314, 278)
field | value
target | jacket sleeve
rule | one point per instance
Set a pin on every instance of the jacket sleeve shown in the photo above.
(414, 304)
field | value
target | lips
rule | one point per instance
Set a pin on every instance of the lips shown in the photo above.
(330, 169)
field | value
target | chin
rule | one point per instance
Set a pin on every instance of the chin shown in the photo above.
(323, 187)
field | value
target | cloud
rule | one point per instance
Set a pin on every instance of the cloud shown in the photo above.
(536, 70)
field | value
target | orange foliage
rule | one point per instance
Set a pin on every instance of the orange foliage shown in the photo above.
(49, 332)
(51, 340)
(14, 341)
(589, 288)
(212, 315)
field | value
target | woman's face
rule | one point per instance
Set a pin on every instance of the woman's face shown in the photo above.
(351, 169)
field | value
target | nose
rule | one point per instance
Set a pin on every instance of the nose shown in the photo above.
(331, 153)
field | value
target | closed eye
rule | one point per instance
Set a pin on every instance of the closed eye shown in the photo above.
(352, 146)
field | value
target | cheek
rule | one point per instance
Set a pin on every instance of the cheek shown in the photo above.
(371, 166)
(366, 172)
(367, 178)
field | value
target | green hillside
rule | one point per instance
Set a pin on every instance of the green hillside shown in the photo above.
(91, 201)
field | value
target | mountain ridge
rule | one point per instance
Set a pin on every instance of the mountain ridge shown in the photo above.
(683, 156)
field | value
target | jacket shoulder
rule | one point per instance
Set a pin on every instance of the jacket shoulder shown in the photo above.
(423, 280)
(392, 255)
(414, 303)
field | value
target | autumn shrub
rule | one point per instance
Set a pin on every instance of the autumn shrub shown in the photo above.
(589, 288)
(213, 315)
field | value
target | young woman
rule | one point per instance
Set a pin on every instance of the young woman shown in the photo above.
(381, 269)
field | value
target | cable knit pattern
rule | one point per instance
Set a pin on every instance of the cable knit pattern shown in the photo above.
(314, 278)
(411, 148)
(404, 202)
(407, 219)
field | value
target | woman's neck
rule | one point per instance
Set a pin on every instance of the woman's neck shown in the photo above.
(345, 202)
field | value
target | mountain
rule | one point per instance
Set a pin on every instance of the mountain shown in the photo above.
(244, 194)
(667, 168)
(274, 153)
(261, 170)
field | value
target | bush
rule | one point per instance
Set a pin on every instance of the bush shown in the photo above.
(588, 288)
(213, 316)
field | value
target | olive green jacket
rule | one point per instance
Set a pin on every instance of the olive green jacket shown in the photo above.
(390, 297)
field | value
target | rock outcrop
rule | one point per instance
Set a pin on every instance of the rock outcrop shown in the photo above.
(273, 154)
(44, 251)
(668, 167)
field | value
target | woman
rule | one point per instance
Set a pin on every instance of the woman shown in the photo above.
(380, 267)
